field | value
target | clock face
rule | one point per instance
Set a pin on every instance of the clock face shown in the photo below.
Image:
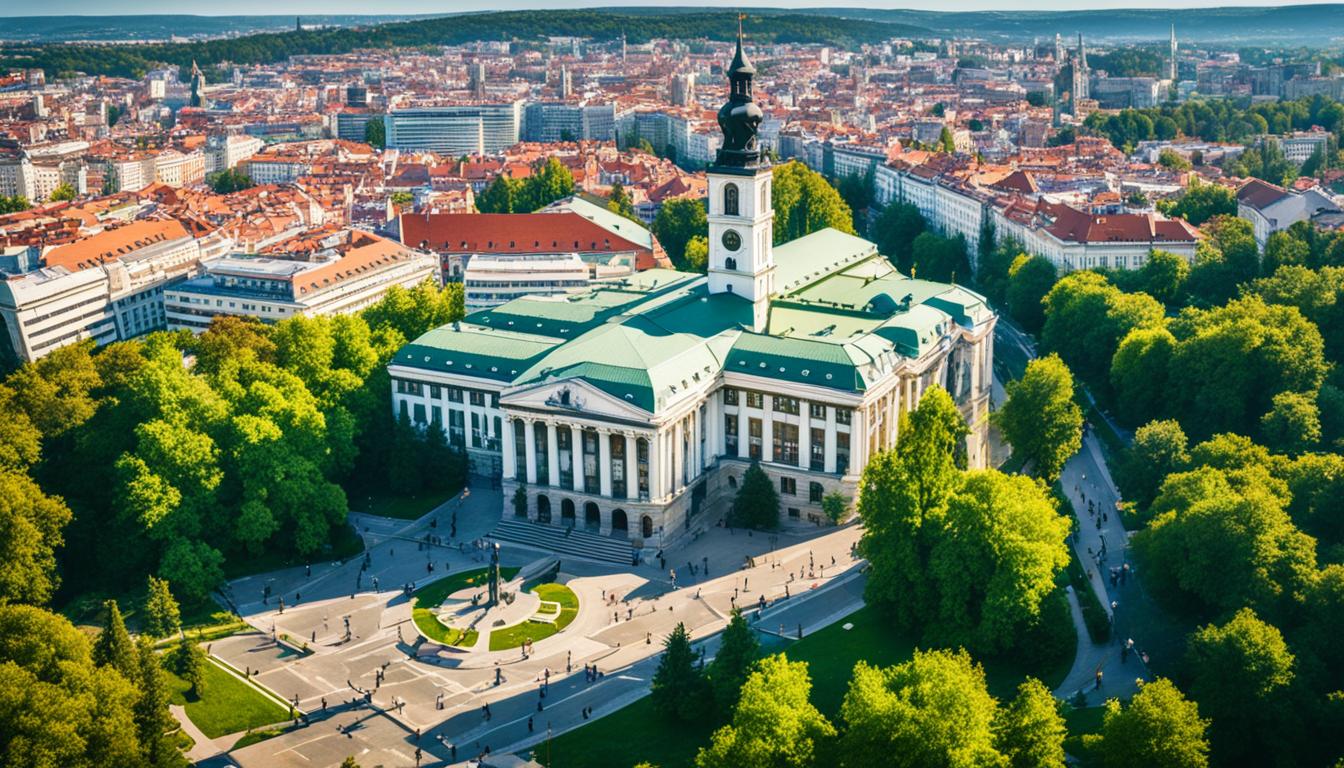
(731, 240)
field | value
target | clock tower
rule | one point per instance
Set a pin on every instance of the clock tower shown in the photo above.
(741, 260)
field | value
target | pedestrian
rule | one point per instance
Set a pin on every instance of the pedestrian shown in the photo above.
(529, 724)
(1098, 679)
(538, 705)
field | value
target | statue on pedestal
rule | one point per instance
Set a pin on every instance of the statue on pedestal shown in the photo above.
(494, 573)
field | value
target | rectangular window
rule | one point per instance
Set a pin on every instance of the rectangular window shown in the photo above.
(730, 434)
(436, 415)
(475, 430)
(814, 493)
(817, 459)
(785, 443)
(435, 391)
(788, 486)
(477, 398)
(841, 452)
(818, 410)
(730, 396)
(754, 439)
(755, 400)
(794, 513)
(419, 413)
(787, 405)
(454, 395)
(843, 415)
(456, 433)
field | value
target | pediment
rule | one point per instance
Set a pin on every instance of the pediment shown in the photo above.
(573, 396)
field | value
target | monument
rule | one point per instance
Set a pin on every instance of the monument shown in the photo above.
(494, 573)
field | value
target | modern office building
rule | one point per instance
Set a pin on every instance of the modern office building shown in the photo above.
(456, 130)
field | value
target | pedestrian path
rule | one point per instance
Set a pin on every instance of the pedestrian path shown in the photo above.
(1118, 678)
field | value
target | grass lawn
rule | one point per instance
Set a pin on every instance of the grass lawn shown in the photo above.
(513, 637)
(637, 732)
(410, 507)
(434, 593)
(229, 704)
(252, 737)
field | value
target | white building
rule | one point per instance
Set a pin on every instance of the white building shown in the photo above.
(1271, 208)
(107, 287)
(491, 280)
(352, 270)
(633, 409)
(223, 152)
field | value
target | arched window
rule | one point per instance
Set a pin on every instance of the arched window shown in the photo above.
(730, 200)
(730, 263)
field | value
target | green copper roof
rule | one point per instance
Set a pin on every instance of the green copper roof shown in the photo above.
(798, 360)
(472, 350)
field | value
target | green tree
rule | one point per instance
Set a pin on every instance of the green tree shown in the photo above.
(1159, 728)
(501, 195)
(1230, 361)
(1226, 548)
(162, 616)
(1242, 675)
(903, 503)
(402, 198)
(1030, 730)
(858, 191)
(1293, 424)
(1086, 318)
(932, 710)
(995, 561)
(229, 180)
(805, 202)
(31, 530)
(1202, 202)
(1159, 449)
(991, 272)
(57, 393)
(939, 258)
(835, 505)
(194, 568)
(188, 662)
(1283, 248)
(349, 762)
(1040, 418)
(14, 204)
(946, 143)
(1163, 276)
(756, 504)
(895, 232)
(696, 255)
(678, 688)
(1139, 373)
(375, 132)
(736, 659)
(114, 647)
(1030, 278)
(62, 192)
(679, 220)
(1173, 160)
(551, 182)
(56, 706)
(153, 722)
(619, 202)
(774, 723)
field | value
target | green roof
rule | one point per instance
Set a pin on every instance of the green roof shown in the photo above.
(472, 350)
(797, 360)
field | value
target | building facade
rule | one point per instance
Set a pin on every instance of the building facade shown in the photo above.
(634, 408)
(456, 130)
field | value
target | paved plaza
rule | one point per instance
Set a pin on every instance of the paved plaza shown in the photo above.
(373, 688)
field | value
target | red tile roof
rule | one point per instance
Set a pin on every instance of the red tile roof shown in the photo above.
(515, 233)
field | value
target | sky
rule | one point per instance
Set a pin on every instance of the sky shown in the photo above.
(292, 7)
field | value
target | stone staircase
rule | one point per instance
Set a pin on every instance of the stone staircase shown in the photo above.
(565, 541)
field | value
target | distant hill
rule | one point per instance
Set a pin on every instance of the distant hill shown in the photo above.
(42, 29)
(1299, 24)
(135, 60)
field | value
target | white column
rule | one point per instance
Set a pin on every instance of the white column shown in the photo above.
(678, 454)
(830, 439)
(631, 467)
(767, 429)
(804, 434)
(655, 466)
(576, 457)
(530, 451)
(743, 427)
(604, 462)
(696, 428)
(552, 455)
(858, 449)
(507, 450)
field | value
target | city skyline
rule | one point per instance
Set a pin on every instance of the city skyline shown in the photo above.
(324, 7)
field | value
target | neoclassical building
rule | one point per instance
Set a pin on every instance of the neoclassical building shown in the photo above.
(633, 409)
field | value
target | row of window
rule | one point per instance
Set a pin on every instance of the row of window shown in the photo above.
(437, 392)
(784, 444)
(783, 404)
